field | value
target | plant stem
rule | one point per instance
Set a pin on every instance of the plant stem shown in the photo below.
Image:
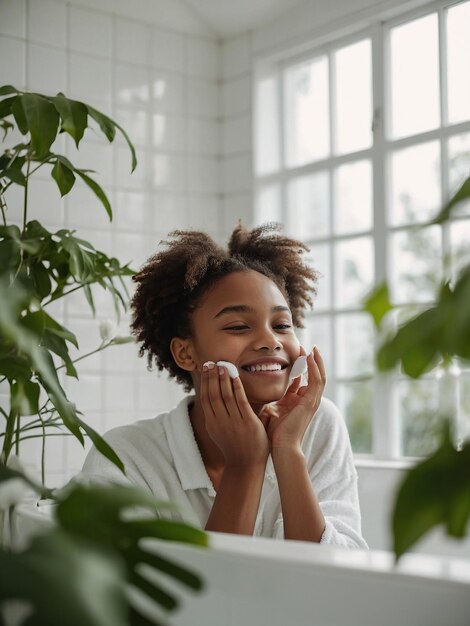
(49, 435)
(25, 205)
(9, 431)
(62, 295)
(84, 356)
(43, 453)
(3, 206)
(17, 436)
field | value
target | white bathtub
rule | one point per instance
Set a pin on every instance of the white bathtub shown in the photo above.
(264, 582)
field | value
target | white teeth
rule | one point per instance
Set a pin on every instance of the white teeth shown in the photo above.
(265, 367)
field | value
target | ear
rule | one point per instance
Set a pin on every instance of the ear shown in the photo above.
(182, 351)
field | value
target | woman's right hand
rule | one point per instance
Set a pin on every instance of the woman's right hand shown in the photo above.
(230, 421)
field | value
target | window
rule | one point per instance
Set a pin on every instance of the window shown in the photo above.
(356, 144)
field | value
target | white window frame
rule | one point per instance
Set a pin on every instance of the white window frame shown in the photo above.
(386, 429)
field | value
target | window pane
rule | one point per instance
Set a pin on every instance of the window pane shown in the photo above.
(268, 204)
(415, 193)
(355, 403)
(353, 197)
(460, 245)
(354, 270)
(416, 264)
(419, 415)
(458, 62)
(306, 112)
(414, 89)
(319, 259)
(354, 345)
(309, 206)
(267, 157)
(353, 89)
(459, 168)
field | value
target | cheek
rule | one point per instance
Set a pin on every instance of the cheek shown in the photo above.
(293, 346)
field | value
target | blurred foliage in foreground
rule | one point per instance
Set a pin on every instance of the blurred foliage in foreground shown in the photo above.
(83, 570)
(437, 490)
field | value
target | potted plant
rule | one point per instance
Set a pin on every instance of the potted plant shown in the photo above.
(91, 540)
(437, 490)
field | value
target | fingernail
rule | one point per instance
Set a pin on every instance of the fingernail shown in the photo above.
(315, 347)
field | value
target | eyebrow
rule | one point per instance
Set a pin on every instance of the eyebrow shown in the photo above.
(243, 308)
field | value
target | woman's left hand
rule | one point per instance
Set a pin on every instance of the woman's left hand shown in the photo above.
(287, 419)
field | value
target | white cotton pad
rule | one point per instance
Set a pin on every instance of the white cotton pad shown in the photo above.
(299, 367)
(230, 367)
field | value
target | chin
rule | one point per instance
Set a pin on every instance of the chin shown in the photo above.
(265, 398)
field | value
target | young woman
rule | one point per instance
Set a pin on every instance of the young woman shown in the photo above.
(251, 451)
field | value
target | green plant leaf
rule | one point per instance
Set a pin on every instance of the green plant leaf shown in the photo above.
(5, 90)
(41, 279)
(15, 367)
(64, 177)
(52, 336)
(6, 107)
(74, 116)
(131, 147)
(98, 191)
(25, 397)
(102, 445)
(12, 169)
(378, 303)
(435, 492)
(463, 193)
(13, 299)
(39, 116)
(87, 582)
(6, 126)
(109, 129)
(169, 568)
(97, 513)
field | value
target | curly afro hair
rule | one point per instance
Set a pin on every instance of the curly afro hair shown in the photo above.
(171, 282)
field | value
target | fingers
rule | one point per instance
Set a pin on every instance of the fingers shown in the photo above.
(240, 396)
(217, 394)
(295, 385)
(316, 374)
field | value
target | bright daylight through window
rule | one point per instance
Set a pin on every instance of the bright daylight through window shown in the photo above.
(358, 144)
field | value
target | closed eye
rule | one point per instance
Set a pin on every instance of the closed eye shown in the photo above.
(238, 327)
(282, 326)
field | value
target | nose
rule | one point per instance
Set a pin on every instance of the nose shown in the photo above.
(266, 339)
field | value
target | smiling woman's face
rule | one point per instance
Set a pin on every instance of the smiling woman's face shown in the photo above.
(245, 319)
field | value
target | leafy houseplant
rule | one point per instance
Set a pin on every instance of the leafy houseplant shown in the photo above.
(37, 268)
(437, 490)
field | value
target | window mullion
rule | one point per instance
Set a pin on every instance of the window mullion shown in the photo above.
(333, 269)
(445, 233)
(385, 429)
(282, 146)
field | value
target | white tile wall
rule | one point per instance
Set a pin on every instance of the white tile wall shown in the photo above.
(236, 96)
(13, 22)
(236, 56)
(162, 86)
(12, 62)
(132, 41)
(47, 22)
(236, 132)
(168, 50)
(91, 32)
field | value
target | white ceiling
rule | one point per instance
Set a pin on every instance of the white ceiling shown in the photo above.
(227, 18)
